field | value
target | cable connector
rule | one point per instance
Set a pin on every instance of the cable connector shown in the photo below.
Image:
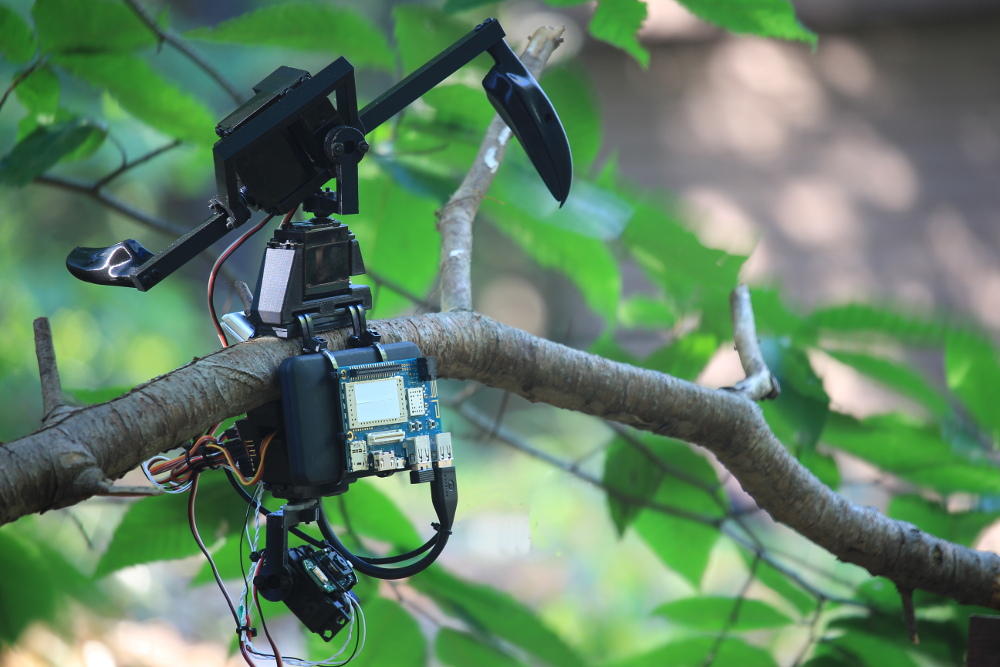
(444, 495)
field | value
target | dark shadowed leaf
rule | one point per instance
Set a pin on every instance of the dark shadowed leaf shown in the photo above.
(145, 94)
(459, 649)
(373, 514)
(29, 589)
(713, 614)
(766, 18)
(496, 613)
(617, 22)
(44, 148)
(17, 42)
(89, 26)
(421, 33)
(309, 26)
(799, 414)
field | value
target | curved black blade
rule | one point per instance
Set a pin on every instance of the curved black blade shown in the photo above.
(108, 266)
(529, 114)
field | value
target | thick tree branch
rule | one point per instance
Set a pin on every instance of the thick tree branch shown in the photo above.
(455, 217)
(65, 463)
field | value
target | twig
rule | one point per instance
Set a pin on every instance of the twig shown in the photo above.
(115, 204)
(181, 46)
(909, 615)
(759, 384)
(497, 432)
(48, 371)
(126, 165)
(455, 217)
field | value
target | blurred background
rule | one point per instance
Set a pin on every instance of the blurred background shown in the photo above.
(866, 169)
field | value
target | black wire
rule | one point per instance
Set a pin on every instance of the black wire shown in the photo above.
(366, 568)
(263, 510)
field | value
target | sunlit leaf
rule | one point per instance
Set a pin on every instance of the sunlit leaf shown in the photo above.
(421, 33)
(714, 613)
(39, 92)
(685, 357)
(17, 42)
(89, 26)
(373, 514)
(960, 527)
(157, 528)
(896, 376)
(454, 6)
(689, 484)
(495, 612)
(694, 652)
(586, 261)
(394, 638)
(309, 26)
(858, 318)
(573, 96)
(458, 649)
(973, 373)
(643, 312)
(912, 451)
(617, 22)
(145, 94)
(765, 18)
(399, 241)
(44, 148)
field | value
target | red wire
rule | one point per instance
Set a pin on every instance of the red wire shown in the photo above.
(218, 265)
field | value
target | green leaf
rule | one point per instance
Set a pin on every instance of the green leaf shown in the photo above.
(617, 22)
(688, 483)
(798, 416)
(459, 649)
(89, 26)
(394, 638)
(29, 588)
(685, 357)
(643, 312)
(39, 92)
(912, 451)
(865, 649)
(857, 318)
(44, 148)
(157, 528)
(897, 377)
(713, 614)
(400, 243)
(421, 33)
(455, 6)
(373, 514)
(96, 396)
(765, 18)
(730, 652)
(497, 613)
(973, 373)
(17, 42)
(960, 527)
(572, 94)
(307, 26)
(145, 94)
(779, 582)
(586, 261)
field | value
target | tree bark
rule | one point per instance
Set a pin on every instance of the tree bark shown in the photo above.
(67, 462)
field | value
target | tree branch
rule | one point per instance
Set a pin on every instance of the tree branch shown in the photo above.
(456, 216)
(65, 463)
(180, 45)
(759, 384)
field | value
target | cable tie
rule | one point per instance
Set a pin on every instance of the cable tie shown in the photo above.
(250, 630)
(436, 526)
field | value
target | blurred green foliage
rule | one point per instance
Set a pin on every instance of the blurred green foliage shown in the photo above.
(696, 578)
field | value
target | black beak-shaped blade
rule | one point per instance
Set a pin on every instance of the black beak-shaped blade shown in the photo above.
(529, 114)
(108, 266)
